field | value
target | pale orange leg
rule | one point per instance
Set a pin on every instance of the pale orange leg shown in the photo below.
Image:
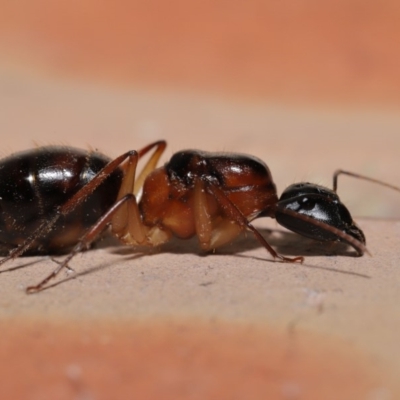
(210, 234)
(201, 213)
(150, 165)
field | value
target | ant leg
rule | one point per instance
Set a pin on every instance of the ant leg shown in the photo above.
(150, 165)
(211, 237)
(132, 232)
(85, 241)
(359, 176)
(237, 216)
(122, 220)
(135, 186)
(202, 217)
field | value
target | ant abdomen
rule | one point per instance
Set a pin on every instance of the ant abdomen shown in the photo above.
(35, 183)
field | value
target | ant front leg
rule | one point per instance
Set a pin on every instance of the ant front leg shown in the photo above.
(211, 235)
(236, 216)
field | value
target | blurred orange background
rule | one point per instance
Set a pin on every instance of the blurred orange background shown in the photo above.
(335, 51)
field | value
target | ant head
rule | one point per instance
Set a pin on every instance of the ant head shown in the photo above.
(317, 212)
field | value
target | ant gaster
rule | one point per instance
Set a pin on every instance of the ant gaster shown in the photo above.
(58, 199)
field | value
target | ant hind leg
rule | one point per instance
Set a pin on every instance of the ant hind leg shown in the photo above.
(88, 238)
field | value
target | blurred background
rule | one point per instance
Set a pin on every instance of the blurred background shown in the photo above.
(308, 86)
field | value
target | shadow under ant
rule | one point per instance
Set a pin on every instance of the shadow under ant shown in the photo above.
(21, 266)
(285, 242)
(177, 248)
(89, 271)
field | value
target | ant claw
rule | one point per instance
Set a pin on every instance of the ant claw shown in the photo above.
(292, 260)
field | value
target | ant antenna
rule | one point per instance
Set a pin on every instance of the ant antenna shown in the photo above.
(366, 178)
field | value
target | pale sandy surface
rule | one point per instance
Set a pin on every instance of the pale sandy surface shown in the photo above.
(350, 304)
(308, 87)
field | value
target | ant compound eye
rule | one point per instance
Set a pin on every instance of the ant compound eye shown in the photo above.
(307, 204)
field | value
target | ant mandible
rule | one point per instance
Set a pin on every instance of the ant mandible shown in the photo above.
(57, 199)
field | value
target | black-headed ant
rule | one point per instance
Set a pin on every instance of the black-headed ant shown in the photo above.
(60, 199)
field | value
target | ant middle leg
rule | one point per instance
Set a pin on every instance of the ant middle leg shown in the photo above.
(211, 234)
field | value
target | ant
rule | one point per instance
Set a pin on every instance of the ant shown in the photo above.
(60, 199)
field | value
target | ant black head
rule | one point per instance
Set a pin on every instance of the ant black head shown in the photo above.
(317, 212)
